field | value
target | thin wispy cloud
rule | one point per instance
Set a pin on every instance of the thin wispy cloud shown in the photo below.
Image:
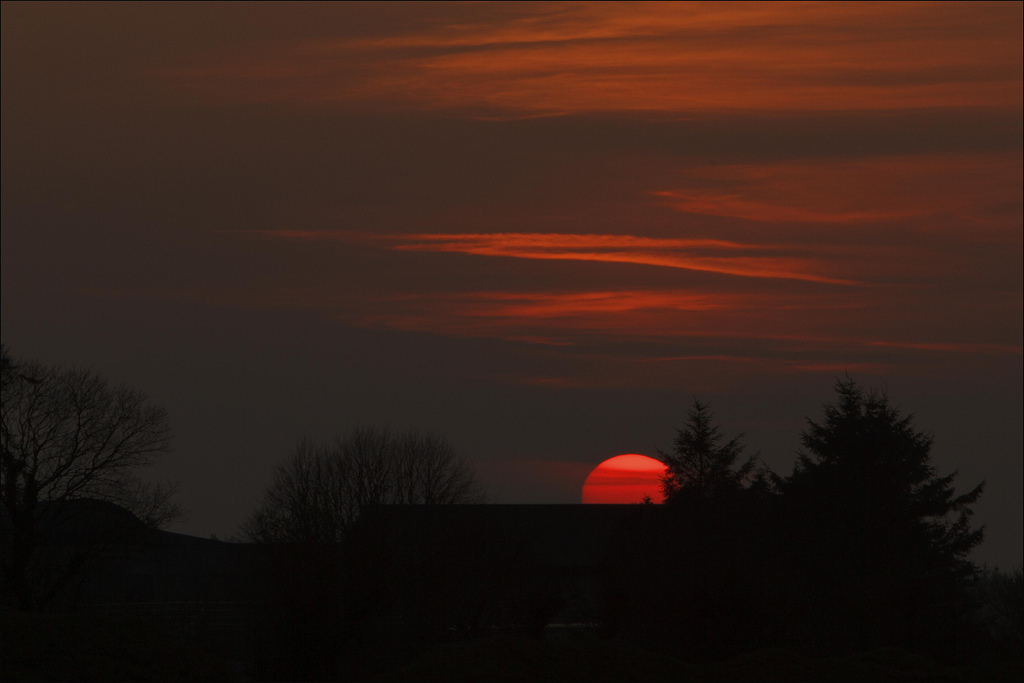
(704, 255)
(579, 319)
(551, 318)
(851, 191)
(645, 251)
(571, 58)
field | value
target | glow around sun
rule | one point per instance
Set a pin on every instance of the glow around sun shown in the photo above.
(625, 479)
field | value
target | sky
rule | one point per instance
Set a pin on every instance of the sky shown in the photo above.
(540, 230)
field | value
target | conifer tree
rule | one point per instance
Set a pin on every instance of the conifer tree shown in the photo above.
(884, 538)
(701, 466)
(712, 546)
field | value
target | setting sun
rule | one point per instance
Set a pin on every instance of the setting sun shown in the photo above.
(625, 479)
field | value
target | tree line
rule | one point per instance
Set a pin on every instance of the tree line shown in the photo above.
(862, 545)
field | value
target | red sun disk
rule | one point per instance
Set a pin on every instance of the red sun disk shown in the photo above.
(625, 479)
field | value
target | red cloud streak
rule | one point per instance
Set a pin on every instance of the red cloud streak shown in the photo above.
(702, 255)
(568, 58)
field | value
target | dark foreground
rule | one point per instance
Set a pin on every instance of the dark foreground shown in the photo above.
(79, 647)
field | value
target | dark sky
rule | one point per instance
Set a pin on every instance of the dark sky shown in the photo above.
(540, 230)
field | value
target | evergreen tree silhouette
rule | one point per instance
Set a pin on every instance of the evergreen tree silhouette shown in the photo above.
(701, 466)
(709, 544)
(882, 538)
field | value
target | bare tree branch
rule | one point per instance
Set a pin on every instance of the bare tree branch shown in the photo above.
(320, 490)
(68, 434)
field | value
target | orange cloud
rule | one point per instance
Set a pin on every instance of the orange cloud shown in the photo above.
(575, 319)
(857, 190)
(568, 58)
(734, 206)
(687, 254)
(553, 318)
(665, 253)
(561, 304)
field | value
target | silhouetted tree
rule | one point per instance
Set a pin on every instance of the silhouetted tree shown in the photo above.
(883, 541)
(320, 490)
(701, 465)
(710, 548)
(315, 600)
(68, 434)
